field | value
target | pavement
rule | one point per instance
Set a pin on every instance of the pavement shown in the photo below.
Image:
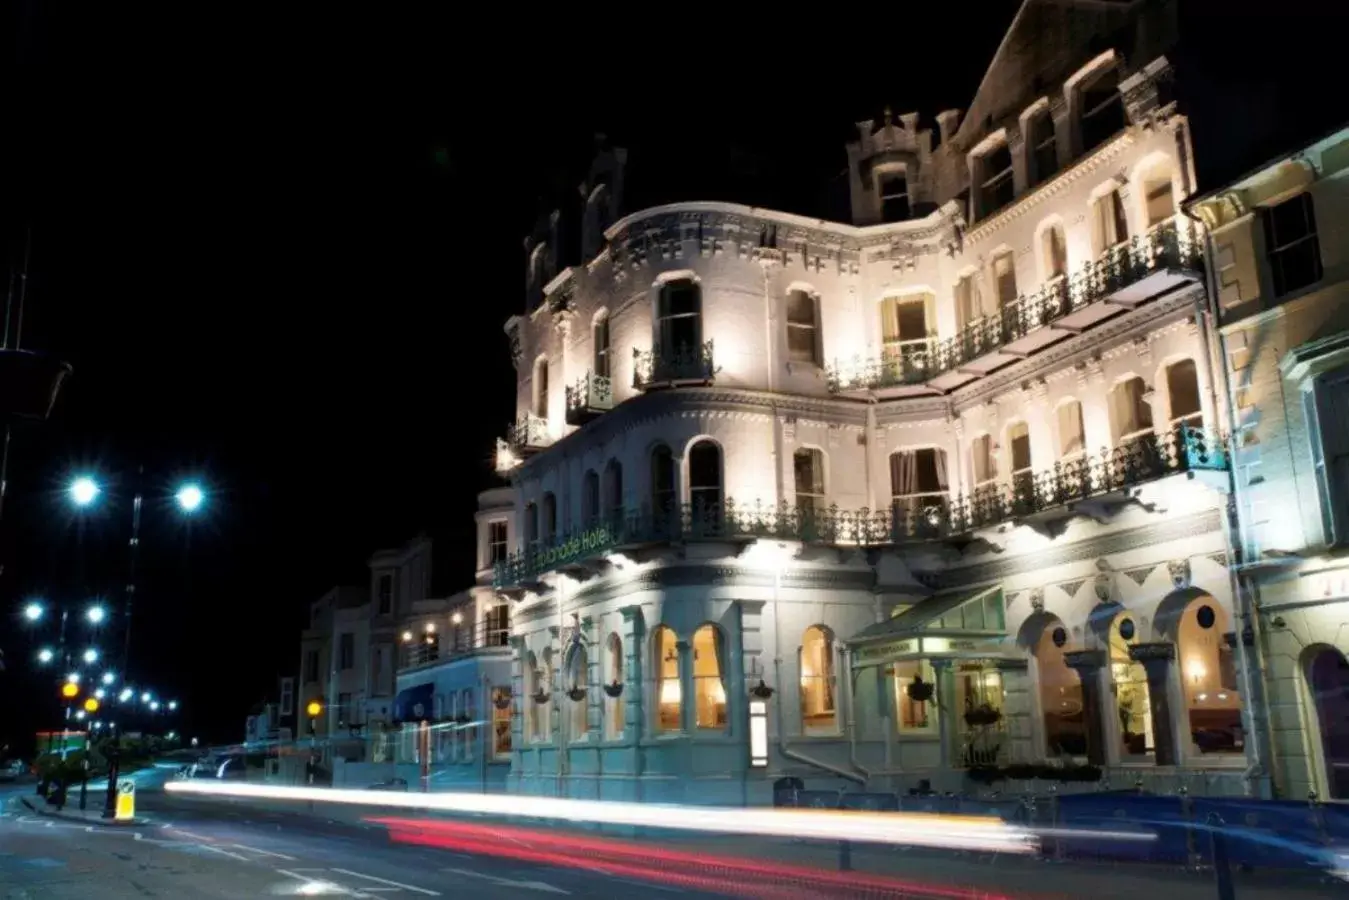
(205, 847)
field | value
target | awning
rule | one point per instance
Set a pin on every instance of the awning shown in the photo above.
(415, 703)
(945, 622)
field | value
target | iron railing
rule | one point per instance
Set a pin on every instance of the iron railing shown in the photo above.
(524, 437)
(656, 367)
(1135, 462)
(453, 642)
(590, 396)
(1172, 244)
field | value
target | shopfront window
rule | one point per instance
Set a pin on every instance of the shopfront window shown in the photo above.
(1133, 703)
(915, 697)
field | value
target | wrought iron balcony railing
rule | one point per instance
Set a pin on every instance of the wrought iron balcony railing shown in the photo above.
(591, 396)
(913, 518)
(1170, 245)
(660, 367)
(453, 642)
(523, 438)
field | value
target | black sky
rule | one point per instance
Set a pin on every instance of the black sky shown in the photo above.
(279, 253)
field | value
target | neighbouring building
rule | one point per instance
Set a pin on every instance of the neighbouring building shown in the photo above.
(1280, 277)
(883, 502)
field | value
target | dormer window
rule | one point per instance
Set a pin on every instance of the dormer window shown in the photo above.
(1102, 109)
(1044, 147)
(895, 205)
(995, 188)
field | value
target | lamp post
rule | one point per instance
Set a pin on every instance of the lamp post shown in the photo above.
(35, 612)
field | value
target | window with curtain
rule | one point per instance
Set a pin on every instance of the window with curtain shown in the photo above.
(1072, 434)
(679, 327)
(1182, 392)
(709, 687)
(613, 675)
(590, 498)
(969, 305)
(808, 470)
(1056, 251)
(669, 692)
(818, 715)
(663, 497)
(705, 477)
(983, 462)
(1129, 412)
(904, 327)
(600, 340)
(1004, 277)
(918, 481)
(803, 327)
(1109, 225)
(1158, 199)
(1208, 672)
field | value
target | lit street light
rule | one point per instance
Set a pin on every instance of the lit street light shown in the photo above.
(73, 678)
(96, 614)
(45, 655)
(84, 490)
(91, 656)
(173, 705)
(79, 714)
(124, 696)
(189, 497)
(33, 611)
(109, 677)
(154, 706)
(145, 697)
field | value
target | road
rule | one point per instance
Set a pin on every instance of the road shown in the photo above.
(191, 851)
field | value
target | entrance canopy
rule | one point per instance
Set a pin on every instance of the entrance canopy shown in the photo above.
(952, 623)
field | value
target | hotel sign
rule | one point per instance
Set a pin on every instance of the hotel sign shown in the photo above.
(884, 651)
(1328, 585)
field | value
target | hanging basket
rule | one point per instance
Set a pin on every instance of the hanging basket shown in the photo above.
(577, 694)
(983, 715)
(502, 701)
(541, 696)
(920, 691)
(761, 690)
(614, 689)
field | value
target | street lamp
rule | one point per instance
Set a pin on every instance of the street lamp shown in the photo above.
(33, 611)
(173, 705)
(72, 678)
(69, 690)
(84, 490)
(109, 677)
(100, 693)
(189, 497)
(45, 655)
(124, 696)
(91, 656)
(145, 697)
(96, 614)
(154, 706)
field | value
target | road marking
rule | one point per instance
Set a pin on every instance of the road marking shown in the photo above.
(329, 886)
(199, 837)
(230, 853)
(397, 884)
(506, 882)
(263, 852)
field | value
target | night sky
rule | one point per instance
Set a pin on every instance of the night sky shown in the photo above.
(279, 254)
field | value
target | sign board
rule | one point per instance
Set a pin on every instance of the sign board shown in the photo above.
(126, 799)
(884, 651)
(1332, 584)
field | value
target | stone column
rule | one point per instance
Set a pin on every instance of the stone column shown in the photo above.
(1157, 659)
(1089, 664)
(634, 639)
(518, 701)
(687, 702)
(554, 687)
(944, 671)
(594, 676)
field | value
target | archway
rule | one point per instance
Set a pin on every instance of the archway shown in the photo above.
(1059, 687)
(1327, 675)
(1208, 668)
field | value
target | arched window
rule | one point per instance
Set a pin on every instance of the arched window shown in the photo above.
(532, 525)
(709, 677)
(1159, 203)
(613, 684)
(549, 686)
(1327, 674)
(501, 722)
(669, 692)
(818, 713)
(1182, 394)
(679, 329)
(1060, 693)
(1209, 673)
(1072, 434)
(705, 477)
(578, 690)
(613, 492)
(1109, 224)
(1130, 413)
(590, 499)
(1055, 248)
(803, 327)
(915, 685)
(663, 497)
(541, 387)
(1133, 700)
(548, 519)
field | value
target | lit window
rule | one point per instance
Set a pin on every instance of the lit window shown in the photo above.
(501, 722)
(614, 709)
(1209, 674)
(709, 688)
(818, 713)
(669, 693)
(803, 328)
(915, 697)
(1072, 440)
(1182, 391)
(1109, 225)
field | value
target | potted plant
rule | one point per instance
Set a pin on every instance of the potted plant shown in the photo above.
(920, 691)
(577, 693)
(502, 701)
(984, 714)
(761, 690)
(541, 696)
(614, 688)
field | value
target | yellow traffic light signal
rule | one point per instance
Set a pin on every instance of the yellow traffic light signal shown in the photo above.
(91, 704)
(69, 689)
(313, 709)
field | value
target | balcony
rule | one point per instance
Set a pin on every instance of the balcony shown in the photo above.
(1048, 493)
(589, 398)
(668, 368)
(486, 636)
(523, 439)
(1125, 277)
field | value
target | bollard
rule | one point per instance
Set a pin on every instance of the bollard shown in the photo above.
(1222, 870)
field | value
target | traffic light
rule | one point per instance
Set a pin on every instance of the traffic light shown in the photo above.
(69, 690)
(314, 709)
(91, 704)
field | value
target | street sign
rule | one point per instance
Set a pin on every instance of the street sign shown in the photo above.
(126, 799)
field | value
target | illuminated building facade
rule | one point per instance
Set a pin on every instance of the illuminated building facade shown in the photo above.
(934, 491)
(1278, 250)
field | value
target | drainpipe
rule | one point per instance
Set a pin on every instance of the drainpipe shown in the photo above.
(1252, 668)
(850, 705)
(771, 382)
(783, 749)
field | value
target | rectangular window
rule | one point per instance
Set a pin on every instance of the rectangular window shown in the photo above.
(1044, 147)
(1004, 277)
(311, 666)
(602, 355)
(1102, 110)
(1072, 440)
(808, 468)
(1326, 408)
(904, 328)
(802, 328)
(1291, 244)
(346, 650)
(982, 460)
(1109, 226)
(497, 624)
(679, 318)
(895, 205)
(968, 304)
(1056, 251)
(344, 710)
(915, 697)
(497, 547)
(384, 593)
(287, 704)
(996, 189)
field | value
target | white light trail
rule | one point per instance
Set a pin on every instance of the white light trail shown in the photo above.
(913, 829)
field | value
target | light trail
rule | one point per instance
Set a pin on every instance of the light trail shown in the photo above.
(910, 829)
